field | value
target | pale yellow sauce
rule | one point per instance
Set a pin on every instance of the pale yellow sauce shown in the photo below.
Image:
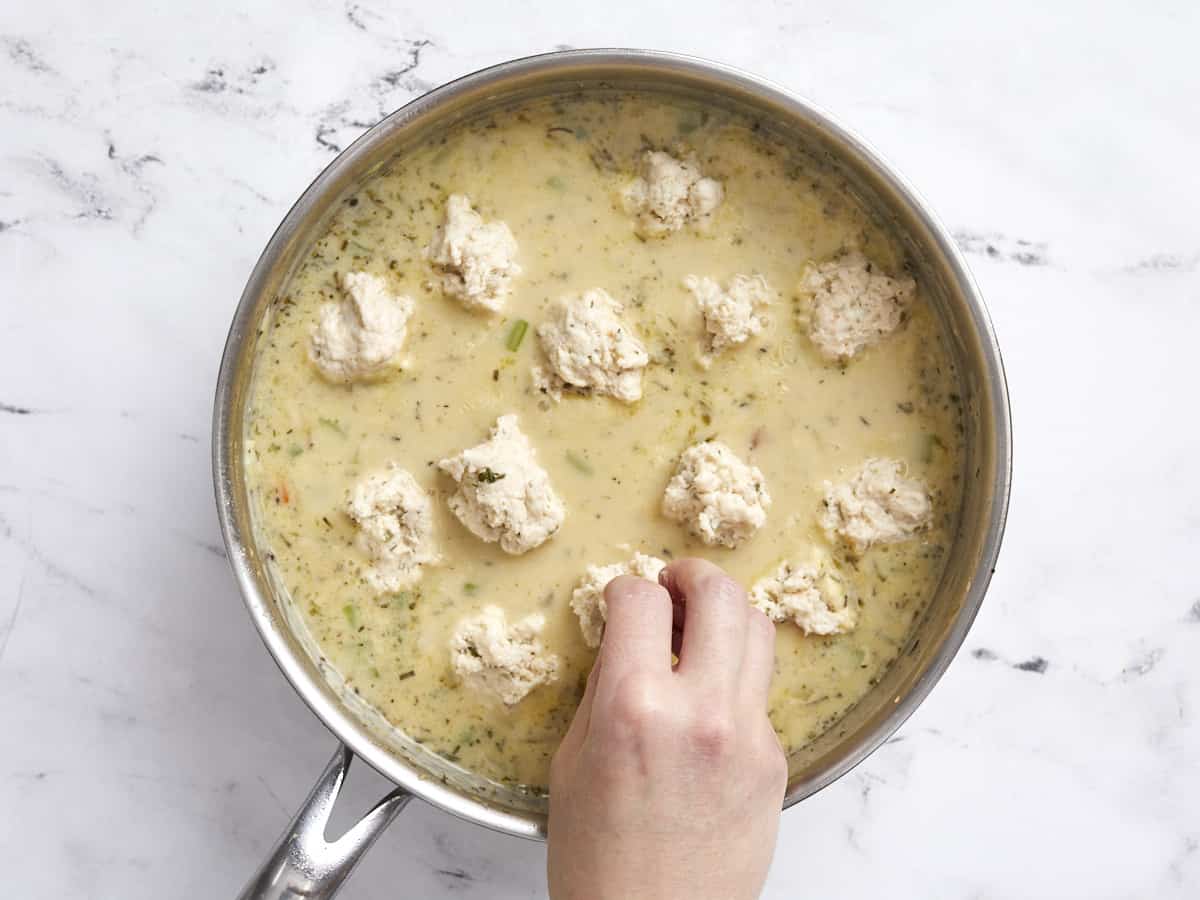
(773, 400)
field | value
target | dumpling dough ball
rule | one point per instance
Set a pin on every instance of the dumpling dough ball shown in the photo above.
(503, 495)
(670, 193)
(851, 305)
(476, 261)
(590, 350)
(878, 505)
(360, 337)
(506, 661)
(587, 600)
(731, 315)
(395, 521)
(810, 594)
(716, 496)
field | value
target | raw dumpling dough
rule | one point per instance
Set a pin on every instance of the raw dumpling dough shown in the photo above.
(731, 316)
(670, 193)
(476, 260)
(360, 336)
(590, 350)
(716, 496)
(852, 305)
(506, 661)
(503, 494)
(810, 594)
(879, 505)
(395, 520)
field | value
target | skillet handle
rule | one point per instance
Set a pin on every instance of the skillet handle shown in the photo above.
(302, 864)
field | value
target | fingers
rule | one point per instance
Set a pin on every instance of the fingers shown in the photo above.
(638, 633)
(758, 665)
(583, 715)
(715, 617)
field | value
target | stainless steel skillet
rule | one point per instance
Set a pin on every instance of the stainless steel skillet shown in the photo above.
(303, 864)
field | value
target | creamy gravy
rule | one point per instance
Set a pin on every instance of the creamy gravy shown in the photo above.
(552, 171)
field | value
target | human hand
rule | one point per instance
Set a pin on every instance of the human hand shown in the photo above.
(670, 781)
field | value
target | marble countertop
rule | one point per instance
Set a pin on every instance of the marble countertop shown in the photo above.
(148, 746)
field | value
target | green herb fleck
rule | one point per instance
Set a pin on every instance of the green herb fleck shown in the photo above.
(274, 448)
(295, 450)
(580, 463)
(350, 611)
(691, 120)
(516, 334)
(487, 476)
(932, 442)
(333, 424)
(556, 183)
(470, 587)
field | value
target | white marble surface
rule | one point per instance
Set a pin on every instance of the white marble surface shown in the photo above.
(148, 747)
